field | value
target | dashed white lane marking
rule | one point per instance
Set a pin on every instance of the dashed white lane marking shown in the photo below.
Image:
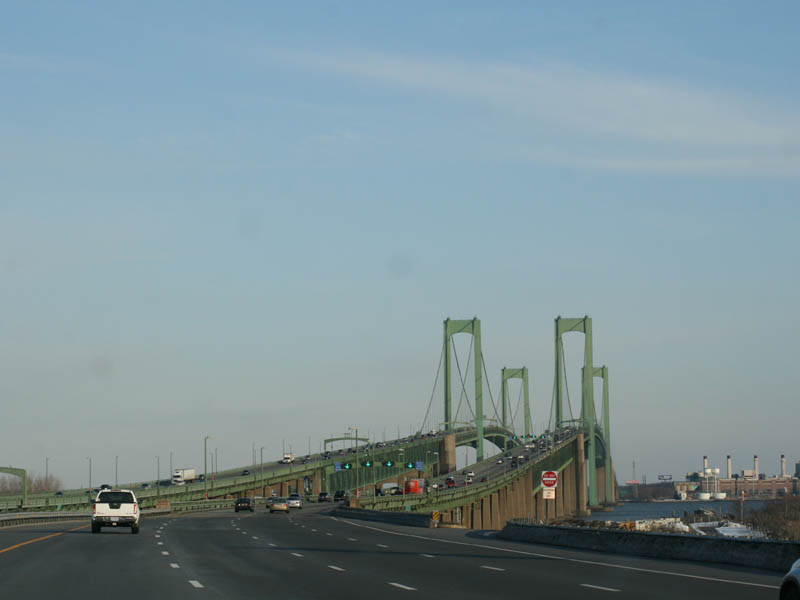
(335, 568)
(159, 543)
(382, 545)
(165, 553)
(564, 558)
(314, 531)
(196, 583)
(428, 555)
(255, 537)
(175, 565)
(491, 568)
(329, 534)
(402, 587)
(158, 536)
(271, 544)
(297, 554)
(598, 587)
(352, 540)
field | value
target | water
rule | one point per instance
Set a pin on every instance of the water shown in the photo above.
(631, 511)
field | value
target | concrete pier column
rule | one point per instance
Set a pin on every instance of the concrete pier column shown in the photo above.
(494, 504)
(447, 453)
(486, 520)
(580, 477)
(540, 508)
(530, 510)
(284, 488)
(559, 501)
(601, 485)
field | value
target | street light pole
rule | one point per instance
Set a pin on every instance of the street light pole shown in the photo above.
(116, 471)
(205, 465)
(47, 473)
(89, 458)
(262, 470)
(158, 477)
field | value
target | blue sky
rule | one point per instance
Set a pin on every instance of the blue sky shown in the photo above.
(250, 221)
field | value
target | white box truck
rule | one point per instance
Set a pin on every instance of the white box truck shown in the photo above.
(182, 476)
(288, 458)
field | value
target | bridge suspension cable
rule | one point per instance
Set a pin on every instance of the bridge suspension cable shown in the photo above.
(433, 391)
(489, 387)
(463, 379)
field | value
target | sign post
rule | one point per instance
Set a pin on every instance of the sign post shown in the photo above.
(549, 484)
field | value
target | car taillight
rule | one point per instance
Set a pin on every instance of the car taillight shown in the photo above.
(135, 508)
(94, 509)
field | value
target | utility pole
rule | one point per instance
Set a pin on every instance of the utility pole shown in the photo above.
(89, 458)
(116, 471)
(46, 473)
(158, 477)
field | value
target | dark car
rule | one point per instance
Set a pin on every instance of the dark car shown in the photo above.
(59, 493)
(324, 497)
(339, 495)
(245, 472)
(243, 504)
(105, 486)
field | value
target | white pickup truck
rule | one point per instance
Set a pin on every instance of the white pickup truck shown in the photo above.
(115, 508)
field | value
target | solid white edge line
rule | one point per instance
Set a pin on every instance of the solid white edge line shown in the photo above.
(491, 568)
(567, 559)
(196, 583)
(402, 587)
(599, 587)
(335, 568)
(175, 565)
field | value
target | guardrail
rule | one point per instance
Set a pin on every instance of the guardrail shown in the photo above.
(35, 518)
(73, 499)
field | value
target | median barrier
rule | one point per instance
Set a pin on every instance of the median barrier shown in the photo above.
(55, 517)
(411, 519)
(757, 554)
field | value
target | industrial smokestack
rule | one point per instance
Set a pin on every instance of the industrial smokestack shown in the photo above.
(755, 464)
(730, 471)
(705, 463)
(783, 466)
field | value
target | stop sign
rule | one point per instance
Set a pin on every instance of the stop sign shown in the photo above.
(549, 479)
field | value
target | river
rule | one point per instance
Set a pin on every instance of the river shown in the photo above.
(631, 511)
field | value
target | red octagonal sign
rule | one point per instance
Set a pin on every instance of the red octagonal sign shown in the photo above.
(549, 479)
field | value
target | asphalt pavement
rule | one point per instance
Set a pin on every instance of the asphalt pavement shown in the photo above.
(311, 554)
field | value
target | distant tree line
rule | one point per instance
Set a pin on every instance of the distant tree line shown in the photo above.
(779, 519)
(36, 483)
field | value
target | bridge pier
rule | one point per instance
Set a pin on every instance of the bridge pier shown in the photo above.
(447, 453)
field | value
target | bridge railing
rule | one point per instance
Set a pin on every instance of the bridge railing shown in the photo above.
(556, 459)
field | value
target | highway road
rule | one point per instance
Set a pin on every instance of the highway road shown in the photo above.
(311, 554)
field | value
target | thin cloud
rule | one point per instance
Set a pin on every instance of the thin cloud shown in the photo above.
(688, 129)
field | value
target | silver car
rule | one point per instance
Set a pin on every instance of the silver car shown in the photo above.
(790, 586)
(295, 501)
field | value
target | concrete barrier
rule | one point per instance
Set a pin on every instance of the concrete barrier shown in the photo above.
(411, 519)
(772, 556)
(55, 517)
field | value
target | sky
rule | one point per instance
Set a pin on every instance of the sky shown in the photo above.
(248, 220)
